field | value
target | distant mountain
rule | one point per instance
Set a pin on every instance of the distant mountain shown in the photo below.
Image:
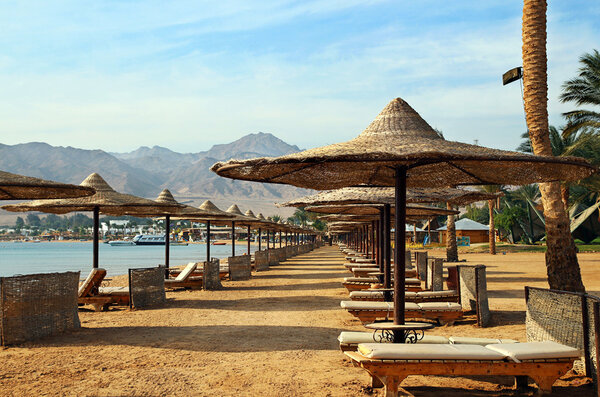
(72, 165)
(147, 170)
(252, 145)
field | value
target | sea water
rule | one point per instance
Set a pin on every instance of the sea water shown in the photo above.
(49, 257)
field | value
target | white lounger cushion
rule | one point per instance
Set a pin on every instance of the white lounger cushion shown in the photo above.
(427, 306)
(465, 340)
(365, 269)
(401, 351)
(440, 306)
(185, 273)
(363, 260)
(436, 294)
(366, 280)
(369, 293)
(113, 291)
(356, 337)
(535, 351)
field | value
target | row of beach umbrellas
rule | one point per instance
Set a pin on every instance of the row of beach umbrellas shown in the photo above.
(400, 149)
(96, 195)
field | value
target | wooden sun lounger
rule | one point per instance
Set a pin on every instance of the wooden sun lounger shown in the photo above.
(553, 361)
(185, 279)
(362, 283)
(364, 272)
(349, 340)
(421, 296)
(369, 312)
(90, 292)
(223, 273)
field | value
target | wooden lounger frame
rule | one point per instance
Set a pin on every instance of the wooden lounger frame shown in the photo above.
(390, 373)
(90, 295)
(356, 286)
(447, 298)
(443, 317)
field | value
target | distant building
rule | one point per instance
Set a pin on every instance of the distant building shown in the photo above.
(475, 231)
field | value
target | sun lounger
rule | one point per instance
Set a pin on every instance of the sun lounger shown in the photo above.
(390, 364)
(369, 312)
(349, 340)
(364, 271)
(90, 292)
(185, 279)
(362, 283)
(223, 272)
(421, 296)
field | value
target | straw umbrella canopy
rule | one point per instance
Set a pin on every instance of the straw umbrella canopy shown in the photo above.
(105, 200)
(412, 210)
(242, 220)
(21, 187)
(165, 197)
(400, 149)
(385, 195)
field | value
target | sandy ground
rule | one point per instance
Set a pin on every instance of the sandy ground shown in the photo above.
(274, 335)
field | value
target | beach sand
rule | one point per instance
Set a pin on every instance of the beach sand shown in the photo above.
(273, 335)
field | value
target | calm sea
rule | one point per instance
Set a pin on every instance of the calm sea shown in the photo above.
(45, 257)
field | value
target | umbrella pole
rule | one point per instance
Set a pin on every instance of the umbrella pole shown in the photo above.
(167, 243)
(259, 238)
(387, 255)
(232, 238)
(380, 253)
(248, 238)
(372, 239)
(96, 237)
(207, 241)
(399, 252)
(280, 239)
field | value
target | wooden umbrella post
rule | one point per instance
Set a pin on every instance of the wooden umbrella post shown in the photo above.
(399, 252)
(232, 238)
(259, 238)
(96, 237)
(207, 241)
(167, 243)
(387, 267)
(248, 238)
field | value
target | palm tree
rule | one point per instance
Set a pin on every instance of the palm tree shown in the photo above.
(581, 144)
(561, 259)
(584, 90)
(451, 247)
(491, 205)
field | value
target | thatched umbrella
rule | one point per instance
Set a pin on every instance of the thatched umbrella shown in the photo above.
(21, 187)
(165, 197)
(242, 220)
(105, 200)
(400, 149)
(364, 194)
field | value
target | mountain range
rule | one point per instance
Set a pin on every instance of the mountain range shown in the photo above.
(147, 170)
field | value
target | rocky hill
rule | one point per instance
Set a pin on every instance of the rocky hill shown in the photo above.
(147, 170)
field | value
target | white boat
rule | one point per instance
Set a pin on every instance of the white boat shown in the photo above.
(119, 243)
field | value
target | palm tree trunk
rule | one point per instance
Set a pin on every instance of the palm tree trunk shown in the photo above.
(451, 248)
(492, 228)
(561, 259)
(564, 194)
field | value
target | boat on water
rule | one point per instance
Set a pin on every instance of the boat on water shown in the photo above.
(146, 239)
(119, 243)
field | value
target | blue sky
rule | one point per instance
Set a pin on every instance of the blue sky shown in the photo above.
(116, 75)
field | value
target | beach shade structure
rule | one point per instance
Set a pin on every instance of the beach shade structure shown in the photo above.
(216, 216)
(105, 200)
(165, 197)
(241, 220)
(21, 187)
(385, 195)
(400, 149)
(412, 210)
